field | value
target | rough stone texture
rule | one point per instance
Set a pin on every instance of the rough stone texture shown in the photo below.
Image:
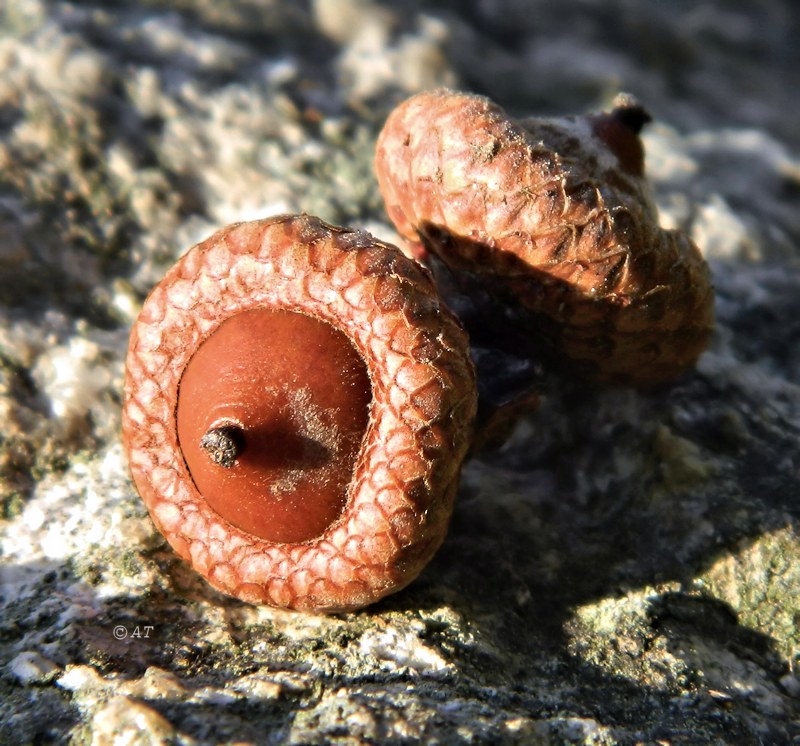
(624, 570)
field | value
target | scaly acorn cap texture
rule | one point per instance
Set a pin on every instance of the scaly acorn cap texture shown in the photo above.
(556, 217)
(421, 393)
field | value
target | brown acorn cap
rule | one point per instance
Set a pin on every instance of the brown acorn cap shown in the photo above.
(418, 394)
(556, 218)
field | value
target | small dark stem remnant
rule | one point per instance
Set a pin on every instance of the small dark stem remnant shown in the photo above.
(628, 111)
(224, 444)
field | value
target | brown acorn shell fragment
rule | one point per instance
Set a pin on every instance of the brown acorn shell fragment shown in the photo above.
(399, 500)
(556, 217)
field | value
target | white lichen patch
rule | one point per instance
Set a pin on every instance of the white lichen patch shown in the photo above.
(29, 667)
(82, 679)
(85, 519)
(397, 649)
(373, 57)
(704, 183)
(721, 233)
(258, 686)
(126, 721)
(84, 507)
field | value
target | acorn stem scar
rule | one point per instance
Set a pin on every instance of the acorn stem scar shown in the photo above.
(224, 444)
(629, 112)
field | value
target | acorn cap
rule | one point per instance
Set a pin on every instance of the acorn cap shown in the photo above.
(421, 406)
(556, 218)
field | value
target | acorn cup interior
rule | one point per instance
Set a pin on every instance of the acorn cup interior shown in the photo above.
(271, 416)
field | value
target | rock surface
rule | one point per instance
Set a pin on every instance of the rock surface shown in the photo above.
(625, 570)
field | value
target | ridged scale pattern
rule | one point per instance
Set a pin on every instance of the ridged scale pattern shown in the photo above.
(543, 211)
(423, 406)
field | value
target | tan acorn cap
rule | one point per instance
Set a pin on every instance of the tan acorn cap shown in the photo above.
(557, 218)
(422, 404)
